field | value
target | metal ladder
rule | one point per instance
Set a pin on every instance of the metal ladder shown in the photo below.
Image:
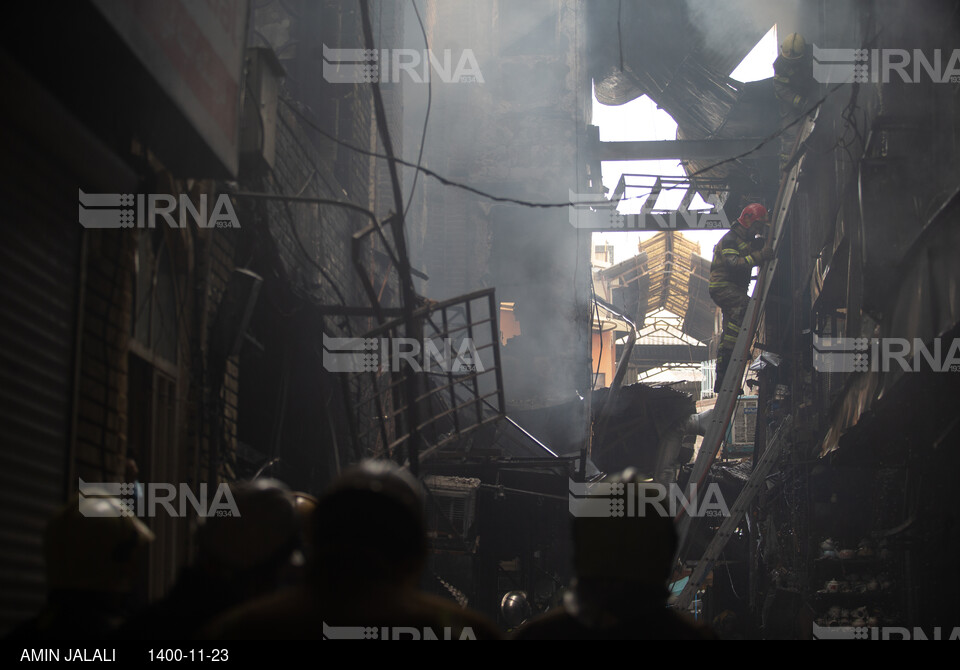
(730, 387)
(729, 525)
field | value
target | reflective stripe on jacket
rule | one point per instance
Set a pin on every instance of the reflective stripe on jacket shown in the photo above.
(733, 259)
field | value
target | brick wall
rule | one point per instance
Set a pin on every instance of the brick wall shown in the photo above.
(101, 434)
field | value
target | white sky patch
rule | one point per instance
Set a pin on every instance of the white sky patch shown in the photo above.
(759, 62)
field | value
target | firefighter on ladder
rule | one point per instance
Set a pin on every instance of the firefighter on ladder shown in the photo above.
(734, 257)
(794, 87)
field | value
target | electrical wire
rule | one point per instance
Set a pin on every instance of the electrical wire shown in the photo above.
(726, 564)
(426, 117)
(332, 188)
(294, 106)
(321, 201)
(407, 294)
(380, 115)
(345, 323)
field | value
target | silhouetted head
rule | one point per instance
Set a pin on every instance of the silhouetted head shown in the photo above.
(369, 527)
(258, 541)
(636, 551)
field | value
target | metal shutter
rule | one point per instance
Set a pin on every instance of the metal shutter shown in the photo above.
(39, 259)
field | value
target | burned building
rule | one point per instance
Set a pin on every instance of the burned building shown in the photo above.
(160, 344)
(312, 233)
(172, 347)
(844, 533)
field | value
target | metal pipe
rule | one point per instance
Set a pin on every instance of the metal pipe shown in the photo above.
(668, 455)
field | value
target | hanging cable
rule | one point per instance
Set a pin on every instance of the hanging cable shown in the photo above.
(426, 117)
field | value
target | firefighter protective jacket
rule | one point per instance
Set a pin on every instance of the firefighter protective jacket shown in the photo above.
(733, 259)
(793, 82)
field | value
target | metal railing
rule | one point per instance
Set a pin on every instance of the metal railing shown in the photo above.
(451, 349)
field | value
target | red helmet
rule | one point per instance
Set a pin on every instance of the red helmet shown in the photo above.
(751, 214)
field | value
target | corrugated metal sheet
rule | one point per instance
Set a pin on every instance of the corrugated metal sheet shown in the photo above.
(629, 41)
(926, 306)
(701, 312)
